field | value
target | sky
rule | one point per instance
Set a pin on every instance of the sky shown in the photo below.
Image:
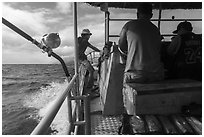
(39, 18)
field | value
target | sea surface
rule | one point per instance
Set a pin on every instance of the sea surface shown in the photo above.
(28, 92)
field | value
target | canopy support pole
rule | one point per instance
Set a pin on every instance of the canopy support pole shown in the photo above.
(76, 60)
(159, 20)
(75, 37)
(107, 27)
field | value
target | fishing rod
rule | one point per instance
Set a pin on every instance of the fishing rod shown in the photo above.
(49, 42)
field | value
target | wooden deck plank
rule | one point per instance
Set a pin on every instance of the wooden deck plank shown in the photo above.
(195, 124)
(167, 125)
(182, 125)
(154, 127)
(138, 125)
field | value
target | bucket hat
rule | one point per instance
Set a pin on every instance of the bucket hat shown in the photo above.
(86, 32)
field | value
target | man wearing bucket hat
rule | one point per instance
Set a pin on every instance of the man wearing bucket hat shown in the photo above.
(186, 52)
(83, 44)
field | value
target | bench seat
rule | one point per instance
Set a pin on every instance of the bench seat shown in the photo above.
(162, 97)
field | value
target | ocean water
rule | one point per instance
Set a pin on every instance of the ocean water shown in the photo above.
(28, 92)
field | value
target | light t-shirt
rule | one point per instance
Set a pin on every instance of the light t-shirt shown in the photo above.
(141, 41)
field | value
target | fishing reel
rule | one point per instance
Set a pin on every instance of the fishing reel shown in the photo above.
(50, 41)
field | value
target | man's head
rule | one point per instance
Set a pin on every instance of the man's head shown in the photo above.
(183, 26)
(86, 33)
(144, 10)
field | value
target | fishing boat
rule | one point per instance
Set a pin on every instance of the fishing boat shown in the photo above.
(168, 107)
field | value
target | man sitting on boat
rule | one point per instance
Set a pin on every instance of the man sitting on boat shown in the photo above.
(83, 44)
(140, 42)
(186, 53)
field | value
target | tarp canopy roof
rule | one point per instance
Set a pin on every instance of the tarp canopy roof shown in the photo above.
(156, 5)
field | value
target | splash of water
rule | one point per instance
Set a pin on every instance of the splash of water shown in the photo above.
(43, 101)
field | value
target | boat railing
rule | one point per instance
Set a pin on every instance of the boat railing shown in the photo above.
(73, 111)
(93, 57)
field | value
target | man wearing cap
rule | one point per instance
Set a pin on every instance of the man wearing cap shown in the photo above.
(185, 51)
(83, 44)
(140, 42)
(182, 28)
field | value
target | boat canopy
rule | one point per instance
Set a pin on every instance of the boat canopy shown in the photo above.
(156, 5)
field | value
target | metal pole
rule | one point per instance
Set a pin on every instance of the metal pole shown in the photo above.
(76, 47)
(159, 21)
(107, 27)
(70, 121)
(76, 61)
(75, 37)
(87, 117)
(69, 103)
(181, 19)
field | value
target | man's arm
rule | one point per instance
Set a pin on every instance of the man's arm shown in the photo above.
(94, 48)
(174, 46)
(123, 46)
(122, 43)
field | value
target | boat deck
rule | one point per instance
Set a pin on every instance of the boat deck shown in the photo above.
(103, 125)
(175, 124)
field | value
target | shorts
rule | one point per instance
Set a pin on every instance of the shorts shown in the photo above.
(142, 77)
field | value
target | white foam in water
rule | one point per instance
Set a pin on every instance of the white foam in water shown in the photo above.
(44, 100)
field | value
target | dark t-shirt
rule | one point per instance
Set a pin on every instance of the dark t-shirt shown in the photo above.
(188, 59)
(83, 44)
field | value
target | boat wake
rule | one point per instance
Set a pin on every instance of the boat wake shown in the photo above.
(43, 100)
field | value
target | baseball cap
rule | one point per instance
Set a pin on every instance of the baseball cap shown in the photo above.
(186, 25)
(86, 32)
